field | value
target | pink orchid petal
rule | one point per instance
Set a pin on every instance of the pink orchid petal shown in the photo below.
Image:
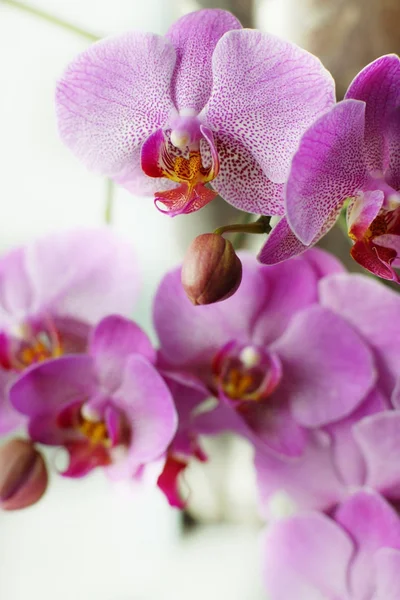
(327, 168)
(112, 341)
(113, 96)
(46, 388)
(281, 245)
(241, 180)
(379, 439)
(372, 524)
(347, 455)
(372, 309)
(84, 274)
(183, 200)
(84, 457)
(310, 481)
(194, 37)
(387, 568)
(378, 85)
(17, 295)
(324, 385)
(323, 262)
(147, 404)
(306, 557)
(265, 93)
(392, 174)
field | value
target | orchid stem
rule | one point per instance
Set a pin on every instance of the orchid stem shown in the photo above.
(108, 212)
(262, 225)
(45, 16)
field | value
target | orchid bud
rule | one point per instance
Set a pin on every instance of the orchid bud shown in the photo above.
(211, 270)
(23, 475)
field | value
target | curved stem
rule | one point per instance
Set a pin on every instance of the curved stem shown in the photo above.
(37, 12)
(108, 211)
(260, 226)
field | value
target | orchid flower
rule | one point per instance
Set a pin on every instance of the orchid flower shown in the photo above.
(361, 448)
(353, 555)
(51, 292)
(209, 103)
(108, 407)
(280, 364)
(352, 154)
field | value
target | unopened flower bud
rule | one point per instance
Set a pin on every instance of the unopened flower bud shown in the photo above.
(23, 475)
(211, 270)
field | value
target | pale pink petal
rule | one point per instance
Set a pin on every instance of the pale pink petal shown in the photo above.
(194, 37)
(266, 92)
(113, 96)
(306, 557)
(387, 568)
(363, 211)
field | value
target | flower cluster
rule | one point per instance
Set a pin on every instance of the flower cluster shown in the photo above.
(299, 357)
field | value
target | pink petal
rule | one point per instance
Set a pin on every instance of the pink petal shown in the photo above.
(327, 168)
(113, 96)
(241, 180)
(387, 567)
(17, 295)
(377, 85)
(45, 388)
(306, 557)
(112, 341)
(281, 245)
(323, 262)
(194, 37)
(148, 407)
(392, 174)
(328, 366)
(372, 524)
(311, 481)
(373, 309)
(266, 92)
(375, 259)
(85, 274)
(379, 440)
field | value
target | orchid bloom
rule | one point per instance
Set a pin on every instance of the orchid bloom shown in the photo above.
(109, 407)
(353, 555)
(362, 448)
(351, 153)
(51, 292)
(208, 103)
(281, 364)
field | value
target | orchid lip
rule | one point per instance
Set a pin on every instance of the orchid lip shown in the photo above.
(246, 373)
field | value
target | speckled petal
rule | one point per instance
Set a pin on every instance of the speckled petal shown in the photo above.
(194, 37)
(112, 96)
(327, 168)
(392, 174)
(378, 84)
(266, 92)
(281, 245)
(242, 182)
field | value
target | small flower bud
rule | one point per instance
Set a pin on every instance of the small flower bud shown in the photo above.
(211, 270)
(23, 475)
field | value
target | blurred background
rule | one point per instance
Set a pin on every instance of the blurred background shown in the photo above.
(89, 540)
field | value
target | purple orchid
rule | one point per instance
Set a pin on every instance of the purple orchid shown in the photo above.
(351, 153)
(51, 292)
(109, 407)
(355, 555)
(209, 102)
(281, 364)
(361, 448)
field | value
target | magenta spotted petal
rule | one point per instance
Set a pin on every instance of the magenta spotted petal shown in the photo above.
(139, 106)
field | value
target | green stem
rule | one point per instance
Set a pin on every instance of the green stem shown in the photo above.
(108, 212)
(52, 19)
(260, 226)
